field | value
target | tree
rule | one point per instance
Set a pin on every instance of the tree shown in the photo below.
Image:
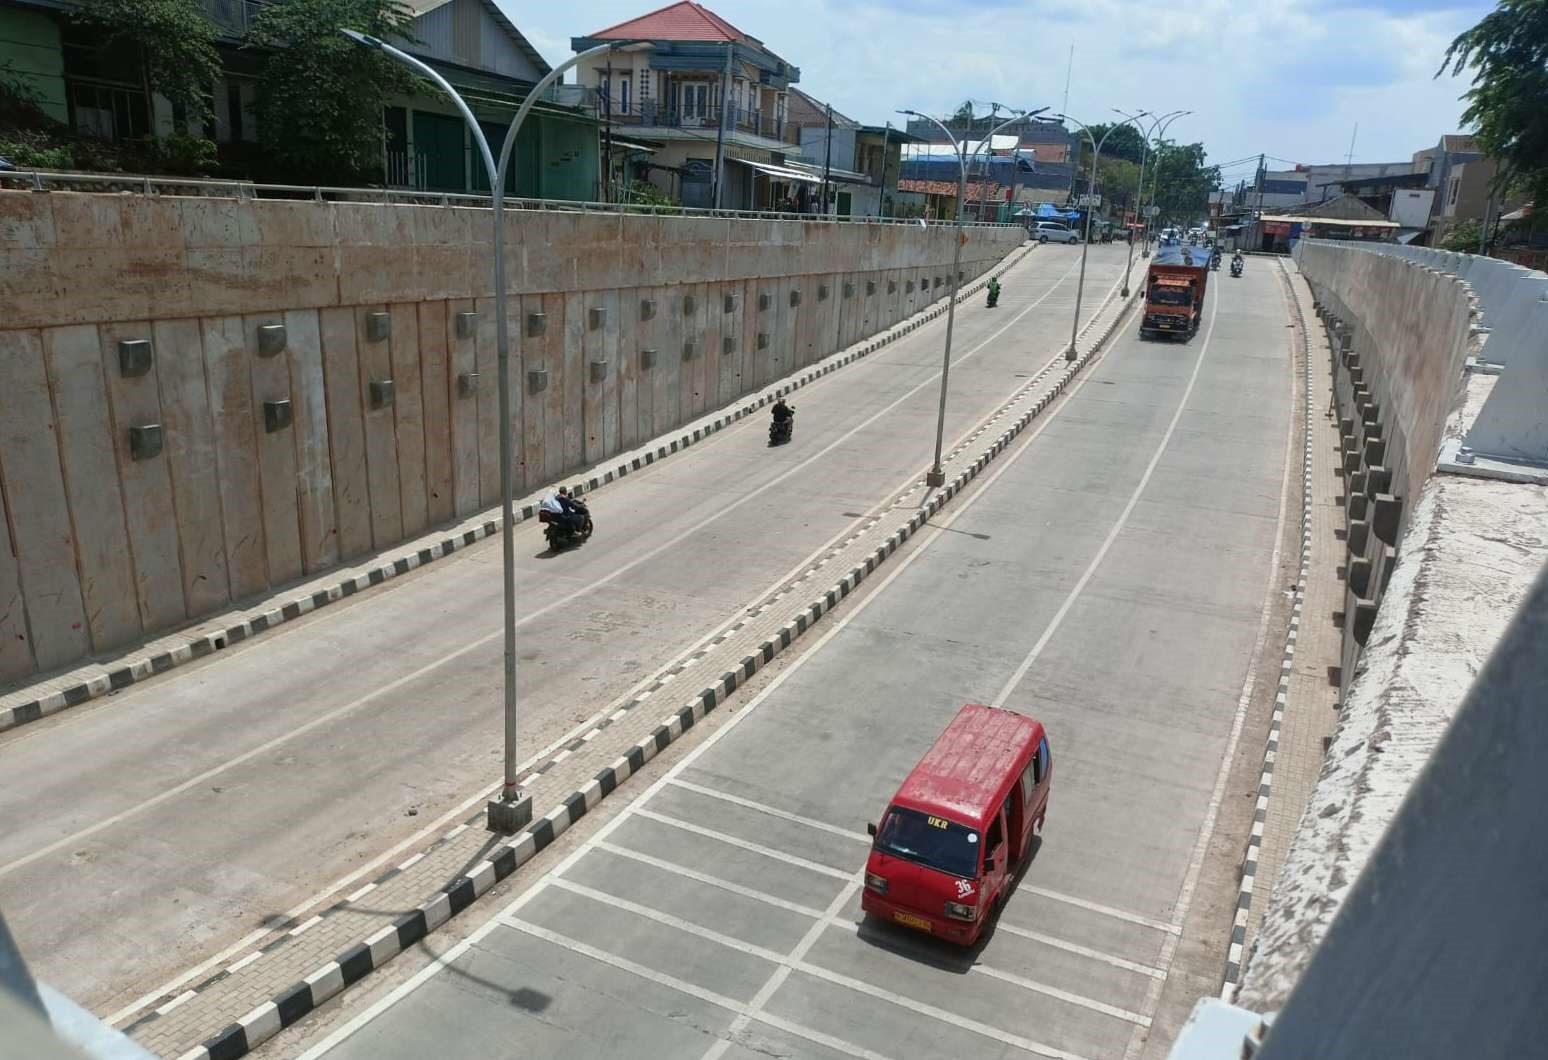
(1122, 141)
(320, 95)
(1183, 182)
(1508, 103)
(1464, 236)
(174, 42)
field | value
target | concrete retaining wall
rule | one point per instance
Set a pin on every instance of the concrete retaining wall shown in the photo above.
(202, 399)
(1401, 334)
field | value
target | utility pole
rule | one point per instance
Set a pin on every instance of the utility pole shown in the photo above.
(827, 162)
(881, 193)
(720, 134)
(607, 136)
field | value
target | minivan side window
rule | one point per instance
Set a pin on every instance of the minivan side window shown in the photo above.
(995, 837)
(1029, 780)
(1041, 760)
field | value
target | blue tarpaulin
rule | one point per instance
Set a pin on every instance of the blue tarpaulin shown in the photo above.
(1178, 254)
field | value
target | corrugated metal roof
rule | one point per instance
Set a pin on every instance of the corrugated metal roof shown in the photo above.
(684, 20)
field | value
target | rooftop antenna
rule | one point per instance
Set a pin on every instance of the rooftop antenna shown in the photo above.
(1069, 68)
(1349, 158)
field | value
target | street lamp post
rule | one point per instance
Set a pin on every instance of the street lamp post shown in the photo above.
(1155, 175)
(1085, 245)
(1139, 190)
(937, 476)
(513, 809)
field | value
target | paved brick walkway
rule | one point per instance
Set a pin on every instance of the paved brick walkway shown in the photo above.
(238, 996)
(1311, 705)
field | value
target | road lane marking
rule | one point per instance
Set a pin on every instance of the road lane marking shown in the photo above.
(1122, 521)
(677, 923)
(1238, 723)
(784, 815)
(527, 618)
(709, 880)
(924, 540)
(1097, 907)
(745, 844)
(891, 500)
(1081, 951)
(683, 987)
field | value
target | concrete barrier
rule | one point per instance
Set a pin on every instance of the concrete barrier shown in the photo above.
(202, 400)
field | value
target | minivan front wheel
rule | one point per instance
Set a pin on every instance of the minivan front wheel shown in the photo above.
(1042, 239)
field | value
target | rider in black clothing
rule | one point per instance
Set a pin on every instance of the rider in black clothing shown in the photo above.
(782, 411)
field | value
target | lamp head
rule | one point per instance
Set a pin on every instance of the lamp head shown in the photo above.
(361, 38)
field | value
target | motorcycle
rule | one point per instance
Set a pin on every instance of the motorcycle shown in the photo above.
(560, 533)
(994, 293)
(781, 431)
(1236, 266)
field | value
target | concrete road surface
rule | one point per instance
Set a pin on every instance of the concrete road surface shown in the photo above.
(1113, 578)
(156, 827)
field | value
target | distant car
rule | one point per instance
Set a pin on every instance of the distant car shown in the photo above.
(1053, 232)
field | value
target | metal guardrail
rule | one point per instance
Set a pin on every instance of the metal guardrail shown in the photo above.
(46, 181)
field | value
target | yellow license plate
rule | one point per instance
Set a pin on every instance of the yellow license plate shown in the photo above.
(910, 920)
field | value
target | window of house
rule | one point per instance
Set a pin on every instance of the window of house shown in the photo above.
(1456, 186)
(694, 101)
(623, 101)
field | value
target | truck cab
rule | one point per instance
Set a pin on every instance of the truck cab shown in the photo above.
(1174, 291)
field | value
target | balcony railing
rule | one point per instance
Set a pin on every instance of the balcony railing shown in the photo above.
(651, 114)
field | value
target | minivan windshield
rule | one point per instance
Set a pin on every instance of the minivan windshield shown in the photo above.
(930, 841)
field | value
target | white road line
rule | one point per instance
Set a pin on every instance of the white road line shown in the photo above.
(1079, 950)
(784, 815)
(1122, 521)
(923, 541)
(1217, 796)
(684, 987)
(677, 923)
(709, 880)
(941, 1015)
(480, 642)
(1098, 907)
(797, 956)
(745, 844)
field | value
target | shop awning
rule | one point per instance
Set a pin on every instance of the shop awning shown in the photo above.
(1312, 219)
(779, 172)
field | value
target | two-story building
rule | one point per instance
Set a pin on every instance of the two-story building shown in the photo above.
(711, 99)
(101, 91)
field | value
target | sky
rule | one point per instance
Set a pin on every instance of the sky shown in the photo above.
(1288, 78)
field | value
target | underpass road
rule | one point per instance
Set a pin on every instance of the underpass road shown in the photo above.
(150, 829)
(1115, 576)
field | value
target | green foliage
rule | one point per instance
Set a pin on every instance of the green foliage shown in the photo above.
(1183, 182)
(1463, 236)
(1508, 103)
(644, 193)
(1118, 178)
(321, 95)
(31, 139)
(174, 41)
(1122, 141)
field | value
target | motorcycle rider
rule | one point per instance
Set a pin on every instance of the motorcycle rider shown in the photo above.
(994, 290)
(1237, 261)
(568, 513)
(782, 412)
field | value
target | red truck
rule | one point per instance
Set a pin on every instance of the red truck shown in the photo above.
(1174, 291)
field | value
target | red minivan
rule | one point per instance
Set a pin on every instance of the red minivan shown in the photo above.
(948, 845)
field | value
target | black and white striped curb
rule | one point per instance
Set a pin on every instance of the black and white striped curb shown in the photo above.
(355, 963)
(1249, 870)
(139, 667)
(283, 933)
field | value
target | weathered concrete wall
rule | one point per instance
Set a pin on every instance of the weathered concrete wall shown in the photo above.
(105, 545)
(1401, 335)
(1449, 560)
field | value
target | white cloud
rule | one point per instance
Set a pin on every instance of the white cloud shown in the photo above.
(1289, 77)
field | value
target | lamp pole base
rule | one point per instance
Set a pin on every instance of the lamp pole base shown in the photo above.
(509, 816)
(935, 477)
(1069, 354)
